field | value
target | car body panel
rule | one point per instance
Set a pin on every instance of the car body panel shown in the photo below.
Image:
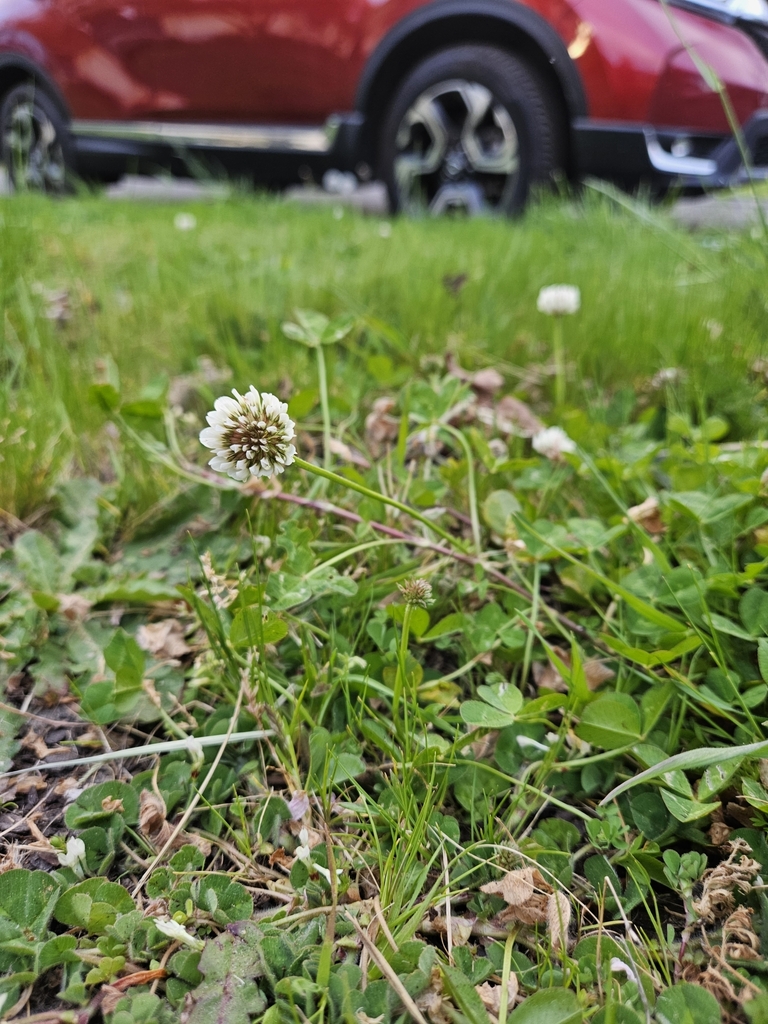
(286, 63)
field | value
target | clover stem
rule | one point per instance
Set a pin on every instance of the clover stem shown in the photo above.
(402, 657)
(471, 489)
(322, 378)
(559, 354)
(377, 496)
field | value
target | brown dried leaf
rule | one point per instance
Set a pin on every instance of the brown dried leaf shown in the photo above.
(112, 805)
(491, 994)
(461, 928)
(487, 382)
(380, 427)
(547, 676)
(153, 824)
(558, 918)
(347, 454)
(165, 639)
(515, 417)
(648, 516)
(34, 742)
(110, 997)
(515, 888)
(738, 871)
(74, 607)
(740, 942)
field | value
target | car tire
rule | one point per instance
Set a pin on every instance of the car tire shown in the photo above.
(471, 128)
(35, 145)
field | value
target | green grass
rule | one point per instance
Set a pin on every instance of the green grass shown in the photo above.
(425, 752)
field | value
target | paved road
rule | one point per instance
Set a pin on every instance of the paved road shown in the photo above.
(720, 212)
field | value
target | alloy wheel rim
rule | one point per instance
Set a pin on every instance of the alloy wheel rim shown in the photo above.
(34, 149)
(457, 149)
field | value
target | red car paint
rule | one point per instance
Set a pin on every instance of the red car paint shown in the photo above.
(299, 61)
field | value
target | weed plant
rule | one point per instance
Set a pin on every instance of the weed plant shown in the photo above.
(461, 715)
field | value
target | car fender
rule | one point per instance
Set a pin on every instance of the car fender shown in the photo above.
(515, 15)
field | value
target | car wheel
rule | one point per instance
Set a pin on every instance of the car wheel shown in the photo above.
(470, 129)
(34, 142)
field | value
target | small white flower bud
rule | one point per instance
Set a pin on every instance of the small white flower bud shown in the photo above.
(559, 300)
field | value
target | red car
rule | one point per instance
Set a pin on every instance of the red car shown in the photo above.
(453, 103)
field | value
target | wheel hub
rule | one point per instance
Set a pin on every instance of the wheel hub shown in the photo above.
(34, 150)
(457, 149)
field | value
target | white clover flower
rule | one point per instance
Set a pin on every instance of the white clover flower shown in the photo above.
(417, 592)
(619, 967)
(553, 443)
(185, 222)
(559, 300)
(251, 435)
(74, 857)
(303, 851)
(195, 750)
(173, 930)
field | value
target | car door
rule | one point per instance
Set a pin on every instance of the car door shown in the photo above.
(279, 61)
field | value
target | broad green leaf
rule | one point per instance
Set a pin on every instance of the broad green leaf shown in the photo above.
(39, 560)
(97, 804)
(610, 722)
(483, 716)
(93, 905)
(753, 609)
(419, 618)
(453, 623)
(549, 1006)
(730, 628)
(498, 509)
(686, 1003)
(687, 810)
(755, 794)
(508, 700)
(27, 898)
(251, 629)
(133, 591)
(717, 777)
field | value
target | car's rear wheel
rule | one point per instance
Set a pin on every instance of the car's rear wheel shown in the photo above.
(470, 129)
(34, 142)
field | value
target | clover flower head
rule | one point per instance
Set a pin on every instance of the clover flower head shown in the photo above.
(74, 856)
(559, 300)
(250, 434)
(416, 592)
(553, 442)
(173, 930)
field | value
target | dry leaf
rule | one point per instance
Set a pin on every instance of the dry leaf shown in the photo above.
(648, 516)
(111, 805)
(153, 824)
(515, 888)
(740, 942)
(110, 997)
(491, 994)
(558, 919)
(380, 427)
(719, 833)
(73, 607)
(738, 871)
(165, 640)
(515, 417)
(547, 676)
(461, 928)
(34, 742)
(347, 454)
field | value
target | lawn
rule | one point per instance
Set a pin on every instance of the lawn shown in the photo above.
(461, 717)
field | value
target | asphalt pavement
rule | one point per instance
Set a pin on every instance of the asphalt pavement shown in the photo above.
(722, 212)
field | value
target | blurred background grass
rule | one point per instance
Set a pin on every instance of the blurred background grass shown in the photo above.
(92, 289)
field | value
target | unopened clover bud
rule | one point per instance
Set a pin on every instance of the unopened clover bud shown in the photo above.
(177, 932)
